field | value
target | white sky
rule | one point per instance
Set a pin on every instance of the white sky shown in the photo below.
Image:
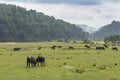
(92, 15)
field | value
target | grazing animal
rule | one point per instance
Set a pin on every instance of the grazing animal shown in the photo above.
(105, 45)
(17, 49)
(87, 46)
(70, 47)
(39, 48)
(53, 47)
(115, 48)
(59, 46)
(100, 48)
(31, 61)
(40, 60)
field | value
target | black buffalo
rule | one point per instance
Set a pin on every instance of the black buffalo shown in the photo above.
(100, 48)
(17, 49)
(40, 60)
(31, 61)
(59, 46)
(105, 45)
(70, 47)
(115, 48)
(87, 46)
(53, 47)
(39, 48)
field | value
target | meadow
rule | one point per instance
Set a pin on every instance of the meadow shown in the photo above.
(61, 63)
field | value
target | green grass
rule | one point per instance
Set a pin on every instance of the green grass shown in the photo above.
(61, 64)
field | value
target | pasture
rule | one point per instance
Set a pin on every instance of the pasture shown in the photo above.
(61, 64)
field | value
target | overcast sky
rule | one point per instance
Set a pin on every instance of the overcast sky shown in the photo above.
(94, 13)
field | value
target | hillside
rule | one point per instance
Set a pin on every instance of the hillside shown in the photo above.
(18, 24)
(108, 30)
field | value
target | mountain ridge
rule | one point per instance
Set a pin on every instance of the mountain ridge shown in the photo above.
(111, 29)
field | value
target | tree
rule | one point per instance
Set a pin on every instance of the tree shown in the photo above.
(87, 41)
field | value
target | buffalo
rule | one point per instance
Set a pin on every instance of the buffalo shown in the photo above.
(70, 47)
(31, 61)
(39, 48)
(17, 49)
(59, 46)
(53, 47)
(105, 45)
(40, 60)
(100, 48)
(87, 46)
(115, 48)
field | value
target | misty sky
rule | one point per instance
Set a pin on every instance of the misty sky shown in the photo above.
(94, 13)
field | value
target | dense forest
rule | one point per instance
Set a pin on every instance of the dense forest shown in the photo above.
(19, 24)
(108, 30)
(112, 39)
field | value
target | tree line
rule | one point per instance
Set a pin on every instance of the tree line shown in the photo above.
(112, 39)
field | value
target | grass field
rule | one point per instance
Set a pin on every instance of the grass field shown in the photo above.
(61, 64)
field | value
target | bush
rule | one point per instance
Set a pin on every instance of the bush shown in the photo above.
(87, 41)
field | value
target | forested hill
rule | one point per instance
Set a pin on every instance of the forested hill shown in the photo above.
(18, 24)
(108, 30)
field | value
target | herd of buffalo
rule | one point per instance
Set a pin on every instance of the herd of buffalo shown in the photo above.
(40, 60)
(71, 47)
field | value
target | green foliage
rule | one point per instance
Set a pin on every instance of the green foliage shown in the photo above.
(63, 40)
(18, 24)
(112, 39)
(87, 41)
